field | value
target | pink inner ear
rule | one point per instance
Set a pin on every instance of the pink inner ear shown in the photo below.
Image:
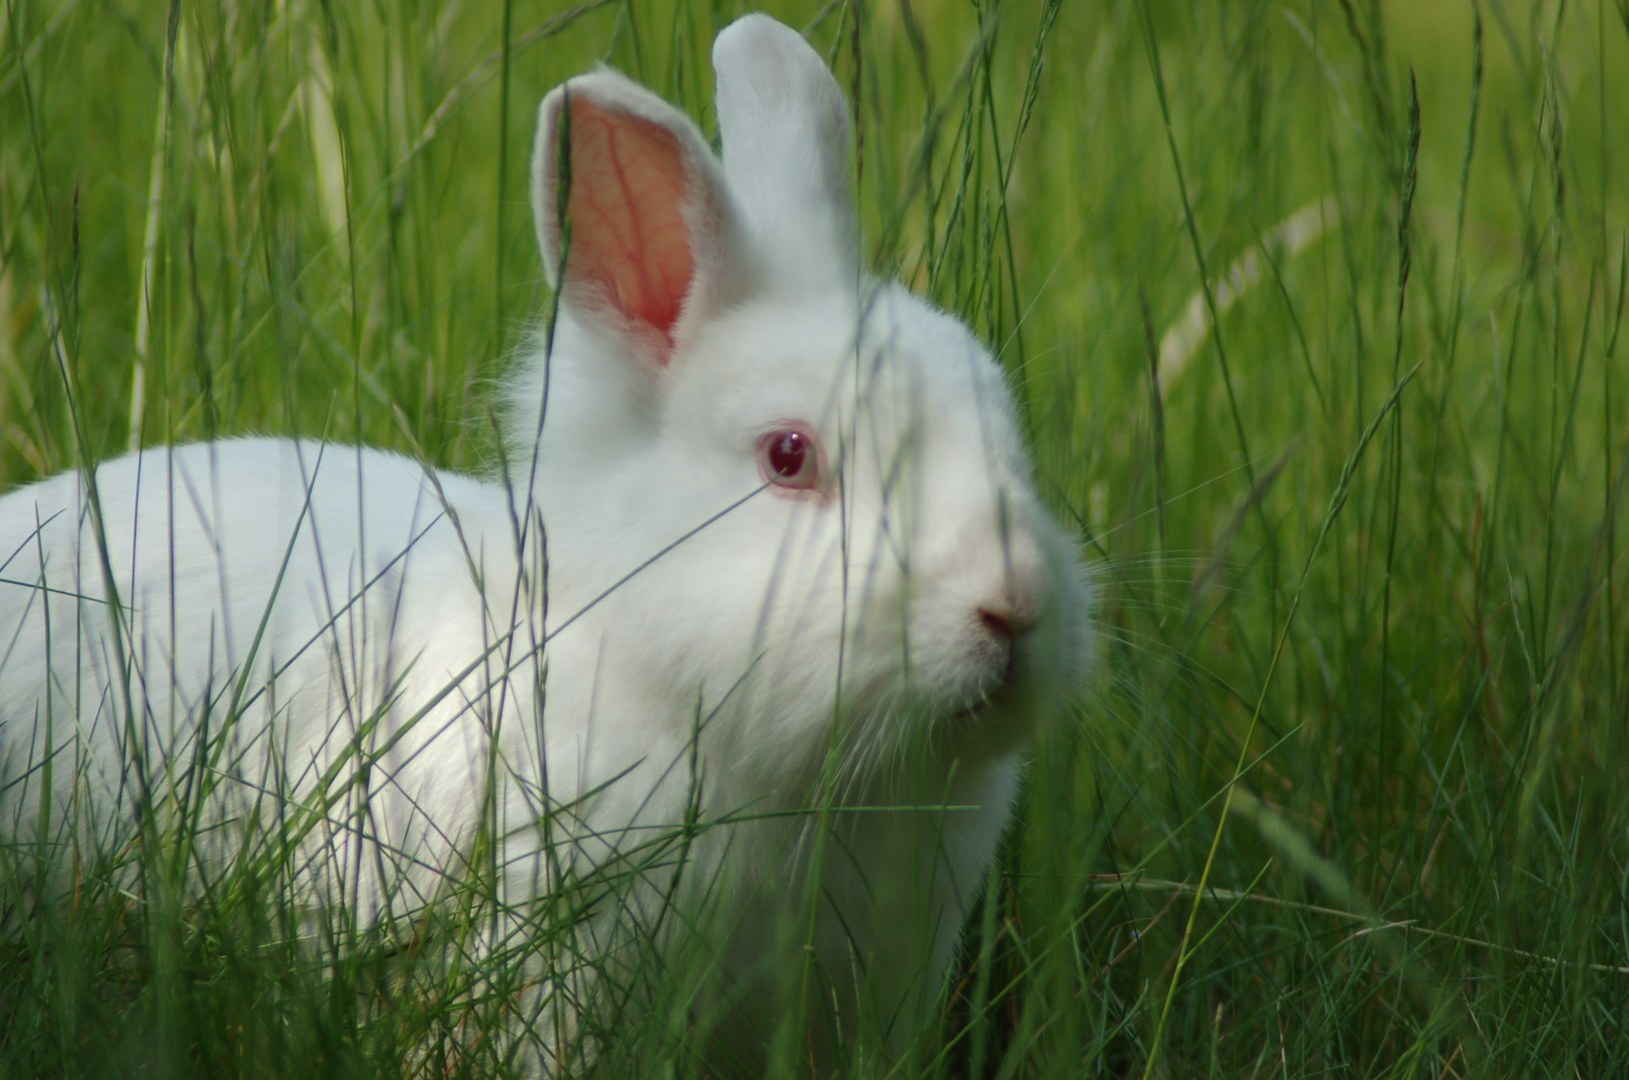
(628, 234)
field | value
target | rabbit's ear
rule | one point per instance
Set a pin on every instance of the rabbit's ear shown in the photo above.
(786, 130)
(650, 237)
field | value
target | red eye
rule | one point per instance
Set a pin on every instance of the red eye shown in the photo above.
(790, 458)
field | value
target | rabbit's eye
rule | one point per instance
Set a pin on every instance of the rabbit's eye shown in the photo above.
(790, 458)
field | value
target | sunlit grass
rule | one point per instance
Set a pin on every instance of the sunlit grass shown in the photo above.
(1412, 644)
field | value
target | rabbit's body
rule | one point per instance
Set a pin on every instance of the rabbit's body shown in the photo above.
(310, 599)
(763, 557)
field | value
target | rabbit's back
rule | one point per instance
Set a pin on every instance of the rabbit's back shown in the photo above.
(290, 612)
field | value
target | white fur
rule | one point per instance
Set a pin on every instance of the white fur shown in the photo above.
(338, 606)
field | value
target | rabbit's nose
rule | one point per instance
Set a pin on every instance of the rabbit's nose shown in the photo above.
(1014, 596)
(999, 625)
(1009, 619)
(1005, 623)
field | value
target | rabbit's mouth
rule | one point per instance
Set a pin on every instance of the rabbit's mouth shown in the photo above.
(973, 711)
(993, 707)
(987, 696)
(995, 669)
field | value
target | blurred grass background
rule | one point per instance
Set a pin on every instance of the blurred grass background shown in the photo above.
(1402, 610)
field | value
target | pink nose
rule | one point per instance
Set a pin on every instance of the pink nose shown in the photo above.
(1006, 624)
(998, 624)
(1008, 621)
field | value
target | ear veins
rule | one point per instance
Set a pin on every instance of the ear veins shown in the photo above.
(628, 233)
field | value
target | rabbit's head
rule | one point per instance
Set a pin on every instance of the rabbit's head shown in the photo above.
(865, 564)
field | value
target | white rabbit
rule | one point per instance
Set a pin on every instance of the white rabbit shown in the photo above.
(763, 556)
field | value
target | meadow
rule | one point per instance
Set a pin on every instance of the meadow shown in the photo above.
(1313, 310)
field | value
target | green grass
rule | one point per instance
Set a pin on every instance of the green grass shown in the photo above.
(1349, 797)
